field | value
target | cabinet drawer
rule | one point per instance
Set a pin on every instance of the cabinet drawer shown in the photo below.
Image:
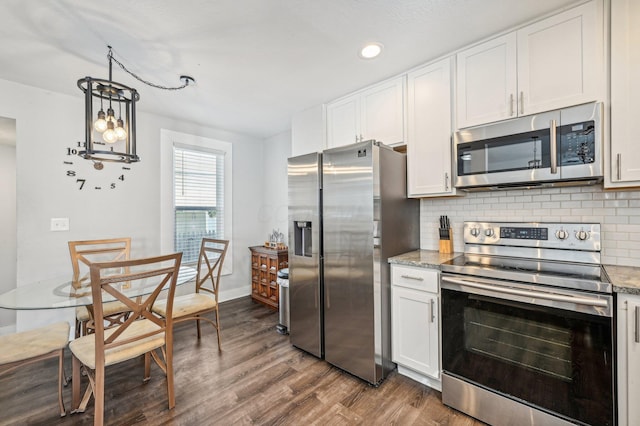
(415, 277)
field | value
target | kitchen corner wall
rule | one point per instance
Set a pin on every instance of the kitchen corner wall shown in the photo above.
(273, 213)
(618, 212)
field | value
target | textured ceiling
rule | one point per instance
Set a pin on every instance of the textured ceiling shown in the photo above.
(255, 62)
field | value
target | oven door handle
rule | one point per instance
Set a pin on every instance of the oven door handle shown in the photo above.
(500, 291)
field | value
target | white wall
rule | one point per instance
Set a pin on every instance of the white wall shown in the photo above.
(47, 123)
(273, 213)
(7, 229)
(618, 212)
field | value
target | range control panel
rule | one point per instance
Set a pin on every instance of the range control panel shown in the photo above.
(581, 236)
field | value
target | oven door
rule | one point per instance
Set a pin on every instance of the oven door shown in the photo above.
(552, 350)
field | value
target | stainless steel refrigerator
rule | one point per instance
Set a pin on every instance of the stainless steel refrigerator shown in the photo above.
(348, 213)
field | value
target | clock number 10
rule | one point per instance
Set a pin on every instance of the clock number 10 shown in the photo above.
(73, 151)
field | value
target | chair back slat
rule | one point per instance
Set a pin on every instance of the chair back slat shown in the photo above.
(210, 260)
(85, 252)
(153, 274)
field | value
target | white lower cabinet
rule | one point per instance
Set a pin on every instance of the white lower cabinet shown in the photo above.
(415, 330)
(628, 323)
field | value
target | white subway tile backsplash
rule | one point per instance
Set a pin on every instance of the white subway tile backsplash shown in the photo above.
(570, 204)
(582, 196)
(616, 203)
(618, 212)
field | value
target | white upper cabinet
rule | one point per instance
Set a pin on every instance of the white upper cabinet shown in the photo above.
(429, 166)
(487, 82)
(553, 63)
(625, 92)
(375, 113)
(343, 122)
(308, 131)
(382, 112)
(560, 60)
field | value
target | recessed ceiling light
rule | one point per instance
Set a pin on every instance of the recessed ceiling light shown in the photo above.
(370, 50)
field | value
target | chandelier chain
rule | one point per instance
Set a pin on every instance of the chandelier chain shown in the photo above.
(148, 83)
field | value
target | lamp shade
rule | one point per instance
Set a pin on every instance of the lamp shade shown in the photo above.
(104, 144)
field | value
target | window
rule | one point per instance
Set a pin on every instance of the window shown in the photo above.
(195, 194)
(198, 198)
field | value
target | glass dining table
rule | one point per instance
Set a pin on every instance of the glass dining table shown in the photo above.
(62, 292)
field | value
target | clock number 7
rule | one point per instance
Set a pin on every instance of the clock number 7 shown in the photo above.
(82, 181)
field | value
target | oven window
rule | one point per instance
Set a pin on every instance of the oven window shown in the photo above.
(557, 360)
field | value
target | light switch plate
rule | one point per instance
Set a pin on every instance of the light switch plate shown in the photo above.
(59, 223)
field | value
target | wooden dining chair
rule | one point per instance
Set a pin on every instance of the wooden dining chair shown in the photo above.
(204, 300)
(142, 333)
(82, 254)
(27, 347)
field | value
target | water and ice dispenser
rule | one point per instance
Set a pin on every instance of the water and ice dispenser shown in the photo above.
(302, 238)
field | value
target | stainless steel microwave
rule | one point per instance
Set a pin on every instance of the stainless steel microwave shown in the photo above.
(562, 147)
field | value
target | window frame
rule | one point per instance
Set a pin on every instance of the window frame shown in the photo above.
(169, 139)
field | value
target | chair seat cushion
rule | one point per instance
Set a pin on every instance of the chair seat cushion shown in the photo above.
(186, 305)
(84, 347)
(32, 343)
(109, 308)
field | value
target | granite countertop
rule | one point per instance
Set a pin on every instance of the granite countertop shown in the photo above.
(625, 279)
(423, 258)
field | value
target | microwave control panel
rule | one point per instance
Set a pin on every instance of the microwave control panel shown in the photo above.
(577, 143)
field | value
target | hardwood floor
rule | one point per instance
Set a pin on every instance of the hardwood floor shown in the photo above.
(259, 378)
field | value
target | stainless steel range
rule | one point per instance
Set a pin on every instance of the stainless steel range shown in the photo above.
(527, 326)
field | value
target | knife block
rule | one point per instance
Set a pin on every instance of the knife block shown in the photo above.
(446, 246)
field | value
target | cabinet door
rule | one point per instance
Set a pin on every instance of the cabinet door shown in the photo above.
(415, 330)
(343, 122)
(382, 112)
(625, 92)
(486, 82)
(429, 166)
(628, 359)
(308, 131)
(560, 61)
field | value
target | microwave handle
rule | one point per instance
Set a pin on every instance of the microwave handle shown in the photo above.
(554, 147)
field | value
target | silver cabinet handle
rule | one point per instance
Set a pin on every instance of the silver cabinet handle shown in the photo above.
(554, 147)
(446, 181)
(637, 333)
(433, 316)
(511, 105)
(409, 277)
(619, 165)
(521, 102)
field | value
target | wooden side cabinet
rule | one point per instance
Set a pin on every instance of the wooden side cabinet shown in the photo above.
(265, 264)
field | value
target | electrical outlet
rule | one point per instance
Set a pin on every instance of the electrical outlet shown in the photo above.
(59, 223)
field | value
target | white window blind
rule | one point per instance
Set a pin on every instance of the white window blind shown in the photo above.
(198, 198)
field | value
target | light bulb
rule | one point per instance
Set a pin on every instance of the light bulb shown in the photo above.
(100, 125)
(110, 115)
(109, 136)
(120, 132)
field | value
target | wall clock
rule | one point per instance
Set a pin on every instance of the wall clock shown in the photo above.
(92, 174)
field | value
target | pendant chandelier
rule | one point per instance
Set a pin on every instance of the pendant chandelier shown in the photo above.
(111, 136)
